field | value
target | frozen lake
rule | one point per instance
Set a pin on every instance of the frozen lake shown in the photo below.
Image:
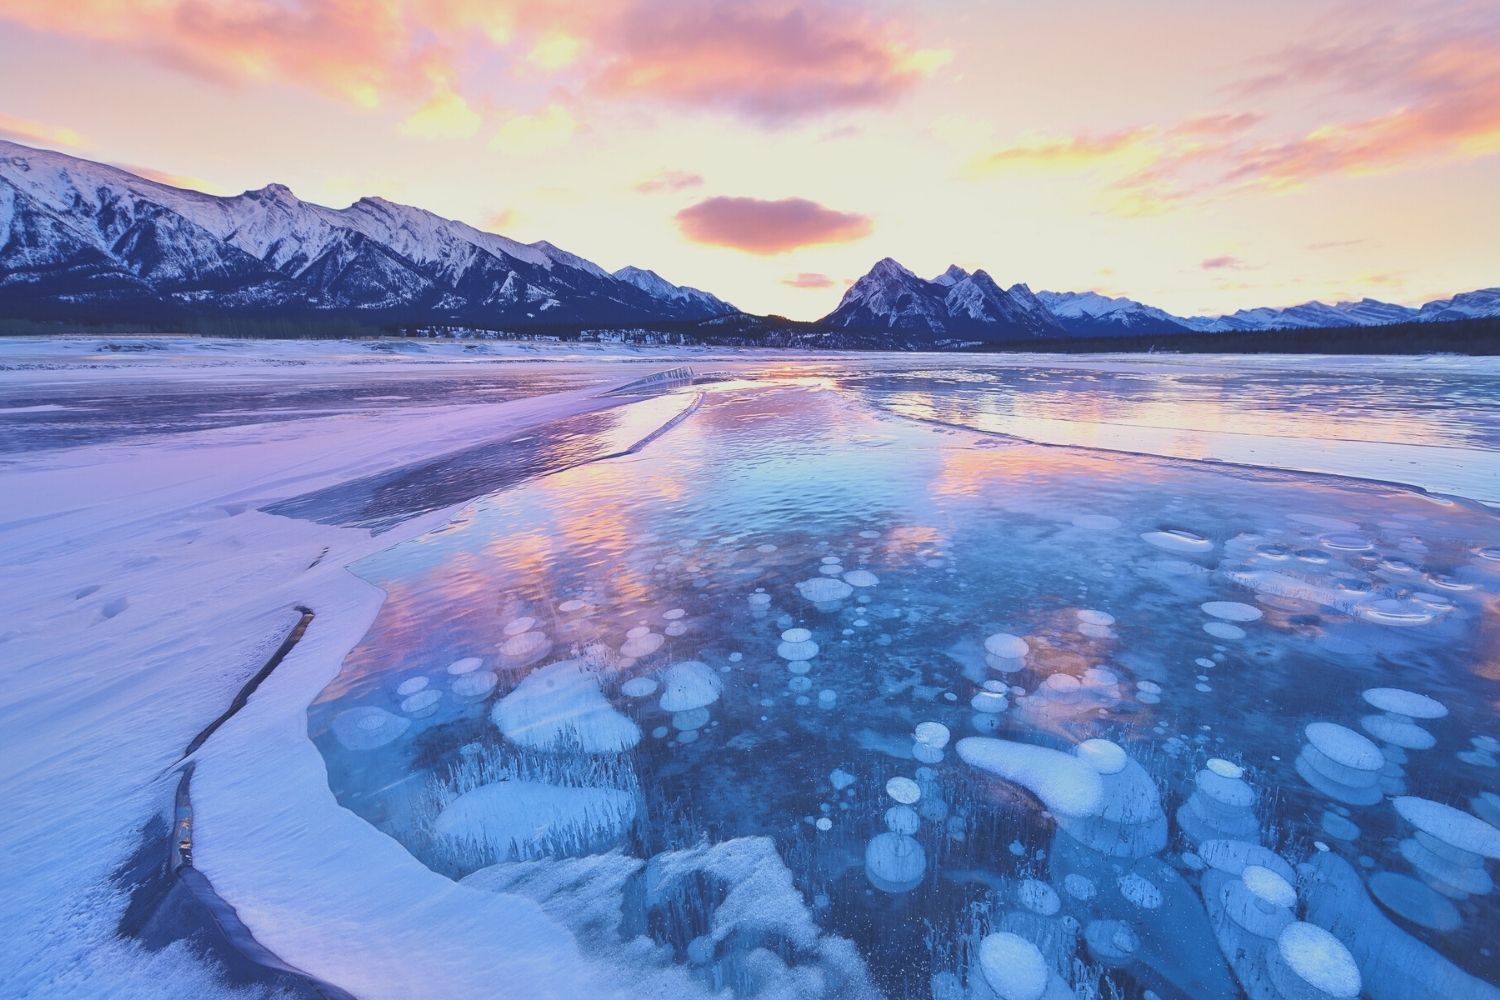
(902, 676)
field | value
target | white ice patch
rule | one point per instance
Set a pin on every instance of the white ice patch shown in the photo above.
(519, 820)
(1065, 784)
(561, 704)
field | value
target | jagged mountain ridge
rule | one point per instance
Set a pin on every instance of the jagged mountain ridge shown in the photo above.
(74, 232)
(955, 303)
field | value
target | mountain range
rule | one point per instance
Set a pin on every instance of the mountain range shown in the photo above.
(92, 236)
(80, 239)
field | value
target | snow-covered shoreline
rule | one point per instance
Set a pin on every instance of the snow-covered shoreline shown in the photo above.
(141, 588)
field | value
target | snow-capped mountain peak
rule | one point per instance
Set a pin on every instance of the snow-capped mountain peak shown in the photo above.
(83, 235)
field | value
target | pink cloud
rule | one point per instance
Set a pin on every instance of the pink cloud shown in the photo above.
(769, 227)
(769, 61)
(772, 61)
(808, 279)
(1224, 263)
(669, 180)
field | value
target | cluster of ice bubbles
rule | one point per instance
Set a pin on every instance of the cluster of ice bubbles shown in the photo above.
(1307, 930)
(1284, 930)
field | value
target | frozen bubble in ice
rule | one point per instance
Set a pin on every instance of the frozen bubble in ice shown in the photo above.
(465, 665)
(571, 605)
(1414, 901)
(1408, 703)
(1111, 942)
(1223, 630)
(824, 823)
(931, 734)
(861, 578)
(1178, 540)
(1267, 885)
(1139, 890)
(798, 666)
(902, 819)
(1013, 967)
(1344, 746)
(804, 650)
(1397, 731)
(1096, 522)
(1060, 686)
(1232, 857)
(989, 701)
(796, 635)
(759, 600)
(1224, 768)
(824, 590)
(1006, 646)
(800, 685)
(1102, 755)
(638, 687)
(1318, 959)
(475, 685)
(1347, 542)
(423, 703)
(903, 790)
(840, 779)
(832, 569)
(693, 718)
(1066, 785)
(519, 625)
(1394, 612)
(1340, 827)
(1231, 611)
(894, 862)
(560, 705)
(526, 648)
(675, 628)
(1150, 687)
(689, 685)
(1088, 616)
(641, 641)
(1451, 826)
(1080, 887)
(368, 727)
(1038, 897)
(673, 614)
(411, 686)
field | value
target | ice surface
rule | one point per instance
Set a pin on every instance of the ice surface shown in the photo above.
(136, 612)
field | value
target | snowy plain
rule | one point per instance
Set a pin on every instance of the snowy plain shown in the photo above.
(143, 582)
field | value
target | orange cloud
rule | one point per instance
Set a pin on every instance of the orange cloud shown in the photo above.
(1066, 152)
(769, 227)
(38, 133)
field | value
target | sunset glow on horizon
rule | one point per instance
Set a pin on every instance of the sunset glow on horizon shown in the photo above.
(1199, 157)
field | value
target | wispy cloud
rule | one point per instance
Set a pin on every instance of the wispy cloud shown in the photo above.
(669, 180)
(1227, 262)
(1334, 244)
(769, 227)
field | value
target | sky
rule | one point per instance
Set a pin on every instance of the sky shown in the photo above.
(1200, 156)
